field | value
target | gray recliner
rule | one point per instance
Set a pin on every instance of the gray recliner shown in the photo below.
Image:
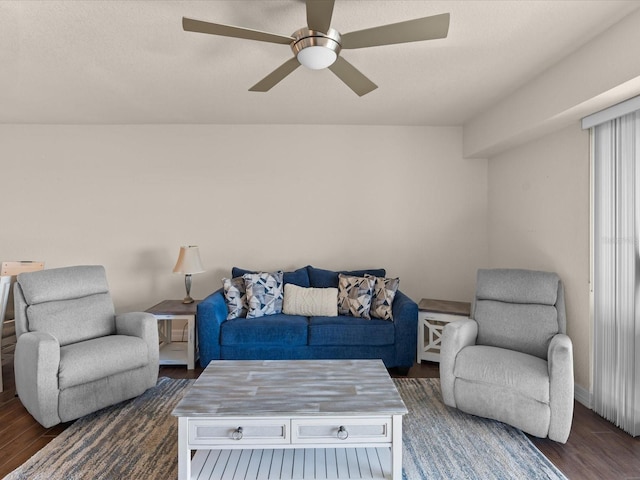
(512, 361)
(73, 354)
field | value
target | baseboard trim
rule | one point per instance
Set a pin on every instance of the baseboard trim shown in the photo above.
(582, 395)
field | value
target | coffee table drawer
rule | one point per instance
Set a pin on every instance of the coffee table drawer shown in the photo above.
(238, 431)
(340, 430)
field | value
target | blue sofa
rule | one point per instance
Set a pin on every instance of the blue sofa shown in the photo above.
(280, 336)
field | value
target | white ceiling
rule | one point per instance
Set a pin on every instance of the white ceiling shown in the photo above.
(130, 62)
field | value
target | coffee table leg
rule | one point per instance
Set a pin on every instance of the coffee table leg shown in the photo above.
(396, 448)
(184, 452)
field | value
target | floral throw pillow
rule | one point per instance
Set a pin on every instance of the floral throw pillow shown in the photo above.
(235, 297)
(384, 291)
(264, 293)
(355, 295)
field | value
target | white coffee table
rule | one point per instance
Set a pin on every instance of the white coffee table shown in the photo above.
(293, 419)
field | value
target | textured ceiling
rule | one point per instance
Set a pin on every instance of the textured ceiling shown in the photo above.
(130, 62)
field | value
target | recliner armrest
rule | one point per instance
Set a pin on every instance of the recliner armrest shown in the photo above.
(142, 325)
(136, 324)
(36, 363)
(561, 387)
(455, 336)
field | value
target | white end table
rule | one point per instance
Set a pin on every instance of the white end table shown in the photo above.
(176, 353)
(433, 315)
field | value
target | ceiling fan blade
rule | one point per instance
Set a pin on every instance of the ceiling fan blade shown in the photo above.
(268, 82)
(350, 75)
(319, 14)
(191, 25)
(427, 28)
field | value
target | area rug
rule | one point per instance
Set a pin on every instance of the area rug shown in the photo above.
(137, 439)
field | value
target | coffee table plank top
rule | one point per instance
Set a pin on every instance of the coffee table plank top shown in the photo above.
(257, 388)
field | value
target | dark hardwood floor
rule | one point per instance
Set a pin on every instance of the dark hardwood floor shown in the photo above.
(596, 449)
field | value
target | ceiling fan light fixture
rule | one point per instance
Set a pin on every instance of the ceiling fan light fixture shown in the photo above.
(316, 50)
(316, 57)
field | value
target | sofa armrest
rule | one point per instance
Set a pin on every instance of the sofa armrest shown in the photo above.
(561, 387)
(212, 312)
(142, 325)
(36, 363)
(455, 336)
(405, 319)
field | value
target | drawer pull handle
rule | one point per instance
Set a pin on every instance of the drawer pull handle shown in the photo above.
(342, 433)
(237, 434)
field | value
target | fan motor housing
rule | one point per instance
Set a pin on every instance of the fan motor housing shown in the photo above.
(305, 38)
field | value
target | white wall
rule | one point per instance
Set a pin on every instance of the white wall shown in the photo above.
(263, 197)
(270, 197)
(539, 219)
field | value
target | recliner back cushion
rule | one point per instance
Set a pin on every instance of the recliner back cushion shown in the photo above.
(63, 283)
(526, 328)
(74, 320)
(517, 286)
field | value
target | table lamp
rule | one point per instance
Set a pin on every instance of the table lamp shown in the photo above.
(188, 263)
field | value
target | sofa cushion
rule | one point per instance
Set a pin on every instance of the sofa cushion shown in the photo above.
(310, 301)
(298, 277)
(525, 374)
(85, 362)
(346, 330)
(355, 295)
(264, 293)
(277, 329)
(320, 278)
(235, 296)
(384, 291)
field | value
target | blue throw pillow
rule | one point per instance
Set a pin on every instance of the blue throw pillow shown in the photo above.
(298, 277)
(320, 278)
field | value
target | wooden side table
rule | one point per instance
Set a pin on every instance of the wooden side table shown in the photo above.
(176, 353)
(433, 315)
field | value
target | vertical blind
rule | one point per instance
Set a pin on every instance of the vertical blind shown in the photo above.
(616, 271)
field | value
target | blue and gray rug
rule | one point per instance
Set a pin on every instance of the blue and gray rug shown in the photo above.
(138, 440)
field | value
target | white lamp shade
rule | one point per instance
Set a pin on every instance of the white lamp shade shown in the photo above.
(189, 261)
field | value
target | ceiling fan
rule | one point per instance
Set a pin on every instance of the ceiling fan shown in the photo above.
(318, 46)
